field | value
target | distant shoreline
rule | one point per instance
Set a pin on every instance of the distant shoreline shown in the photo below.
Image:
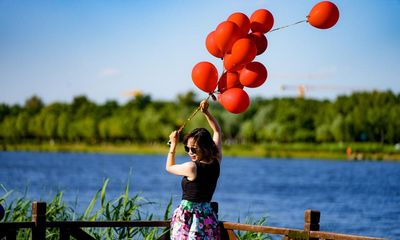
(333, 151)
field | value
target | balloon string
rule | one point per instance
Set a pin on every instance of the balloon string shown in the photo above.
(191, 116)
(222, 73)
(287, 25)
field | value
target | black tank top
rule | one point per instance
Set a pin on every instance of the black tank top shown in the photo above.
(202, 188)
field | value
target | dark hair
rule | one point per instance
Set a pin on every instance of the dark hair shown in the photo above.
(205, 142)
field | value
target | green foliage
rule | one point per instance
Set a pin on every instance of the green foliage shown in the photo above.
(16, 211)
(4, 111)
(121, 208)
(246, 235)
(187, 100)
(360, 117)
(8, 128)
(33, 105)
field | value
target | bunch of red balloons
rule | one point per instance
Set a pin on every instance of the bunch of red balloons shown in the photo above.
(237, 41)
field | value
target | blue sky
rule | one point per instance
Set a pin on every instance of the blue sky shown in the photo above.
(103, 49)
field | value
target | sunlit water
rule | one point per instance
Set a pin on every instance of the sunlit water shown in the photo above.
(360, 198)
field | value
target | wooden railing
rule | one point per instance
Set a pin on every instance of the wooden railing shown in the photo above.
(67, 229)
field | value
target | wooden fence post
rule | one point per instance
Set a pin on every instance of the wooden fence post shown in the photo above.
(311, 221)
(39, 217)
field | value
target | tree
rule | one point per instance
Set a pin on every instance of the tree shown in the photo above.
(107, 109)
(4, 111)
(140, 101)
(230, 124)
(8, 129)
(338, 129)
(152, 127)
(22, 125)
(187, 100)
(83, 129)
(112, 128)
(82, 107)
(323, 133)
(33, 105)
(36, 126)
(50, 126)
(63, 122)
(362, 116)
(246, 131)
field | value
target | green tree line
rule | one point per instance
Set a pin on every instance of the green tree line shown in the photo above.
(359, 117)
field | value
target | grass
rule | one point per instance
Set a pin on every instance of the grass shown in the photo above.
(122, 208)
(337, 151)
(254, 235)
(364, 151)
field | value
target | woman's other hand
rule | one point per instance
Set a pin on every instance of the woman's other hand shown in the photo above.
(173, 137)
(204, 106)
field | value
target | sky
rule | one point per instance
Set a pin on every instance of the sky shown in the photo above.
(102, 49)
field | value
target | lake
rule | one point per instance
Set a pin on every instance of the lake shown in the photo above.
(361, 198)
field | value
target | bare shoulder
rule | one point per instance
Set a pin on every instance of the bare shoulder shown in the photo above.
(189, 165)
(191, 170)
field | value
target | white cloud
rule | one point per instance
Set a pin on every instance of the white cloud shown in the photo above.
(108, 72)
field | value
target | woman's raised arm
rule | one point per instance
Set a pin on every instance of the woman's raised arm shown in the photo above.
(217, 133)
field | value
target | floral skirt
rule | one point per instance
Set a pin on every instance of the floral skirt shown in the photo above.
(194, 220)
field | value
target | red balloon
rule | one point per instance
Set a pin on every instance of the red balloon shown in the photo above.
(323, 15)
(212, 47)
(229, 80)
(253, 75)
(261, 21)
(225, 35)
(234, 100)
(260, 40)
(230, 64)
(242, 21)
(244, 51)
(205, 76)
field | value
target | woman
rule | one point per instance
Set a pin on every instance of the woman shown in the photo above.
(194, 218)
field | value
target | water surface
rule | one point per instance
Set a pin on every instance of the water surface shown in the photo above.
(360, 198)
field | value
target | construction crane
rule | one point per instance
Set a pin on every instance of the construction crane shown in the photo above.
(134, 93)
(301, 89)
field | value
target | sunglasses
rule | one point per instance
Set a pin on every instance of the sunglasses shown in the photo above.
(192, 149)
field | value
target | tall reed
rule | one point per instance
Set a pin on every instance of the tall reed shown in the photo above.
(121, 208)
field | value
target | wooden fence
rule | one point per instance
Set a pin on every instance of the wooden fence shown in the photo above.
(68, 229)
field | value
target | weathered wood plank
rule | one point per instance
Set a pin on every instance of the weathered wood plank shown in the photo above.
(311, 221)
(261, 229)
(340, 236)
(39, 218)
(101, 224)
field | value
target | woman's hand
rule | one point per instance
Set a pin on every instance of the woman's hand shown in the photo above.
(173, 138)
(204, 106)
